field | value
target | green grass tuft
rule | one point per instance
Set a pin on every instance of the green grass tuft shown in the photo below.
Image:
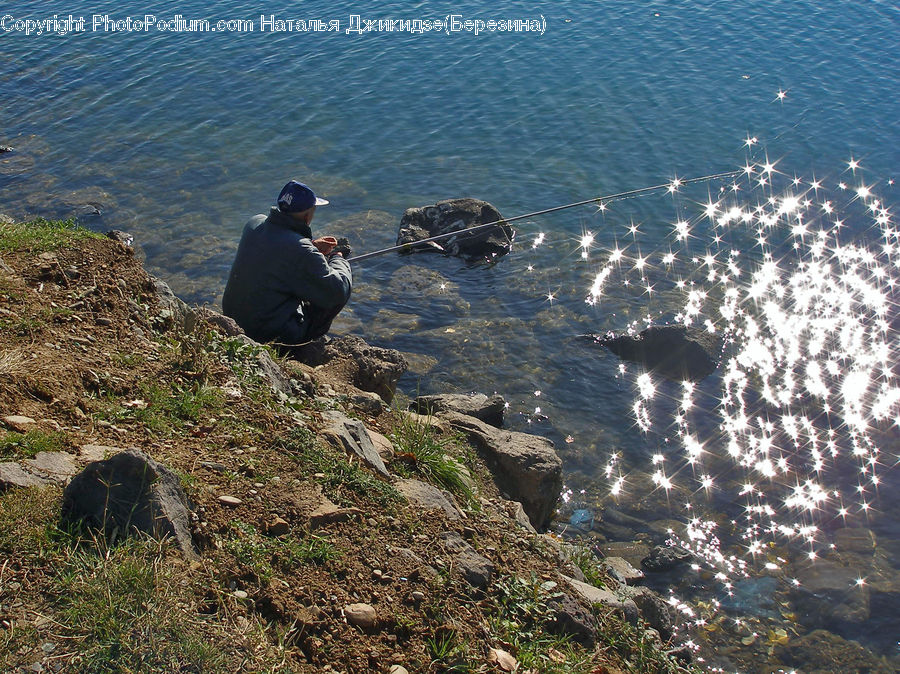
(340, 476)
(42, 235)
(419, 443)
(17, 446)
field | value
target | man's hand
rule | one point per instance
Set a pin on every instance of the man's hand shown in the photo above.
(325, 244)
(343, 247)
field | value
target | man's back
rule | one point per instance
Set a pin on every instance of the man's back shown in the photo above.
(278, 275)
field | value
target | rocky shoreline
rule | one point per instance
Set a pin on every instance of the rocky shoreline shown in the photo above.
(304, 518)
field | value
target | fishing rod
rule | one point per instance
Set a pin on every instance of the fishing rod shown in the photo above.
(672, 185)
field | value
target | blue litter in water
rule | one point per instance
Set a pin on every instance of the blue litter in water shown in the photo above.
(583, 518)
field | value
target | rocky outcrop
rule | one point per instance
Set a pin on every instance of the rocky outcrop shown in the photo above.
(130, 491)
(370, 368)
(478, 405)
(453, 215)
(673, 351)
(525, 467)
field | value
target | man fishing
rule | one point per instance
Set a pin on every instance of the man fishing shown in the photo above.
(284, 286)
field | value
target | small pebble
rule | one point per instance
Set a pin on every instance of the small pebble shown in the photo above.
(361, 615)
(278, 527)
(240, 594)
(230, 501)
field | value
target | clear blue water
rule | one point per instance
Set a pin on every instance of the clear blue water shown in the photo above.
(180, 137)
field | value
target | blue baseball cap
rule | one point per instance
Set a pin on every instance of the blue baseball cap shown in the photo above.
(296, 197)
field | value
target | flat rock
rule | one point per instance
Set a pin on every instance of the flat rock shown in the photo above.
(57, 467)
(673, 351)
(89, 453)
(632, 552)
(353, 437)
(855, 539)
(361, 615)
(130, 491)
(452, 215)
(622, 570)
(478, 405)
(828, 595)
(12, 475)
(19, 423)
(526, 467)
(327, 512)
(424, 495)
(605, 598)
(231, 501)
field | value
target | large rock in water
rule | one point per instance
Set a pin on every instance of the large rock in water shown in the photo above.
(524, 466)
(130, 491)
(674, 351)
(452, 215)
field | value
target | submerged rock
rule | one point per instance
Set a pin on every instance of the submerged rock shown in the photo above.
(824, 652)
(452, 215)
(830, 597)
(673, 351)
(665, 558)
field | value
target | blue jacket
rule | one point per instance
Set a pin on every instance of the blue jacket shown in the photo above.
(280, 285)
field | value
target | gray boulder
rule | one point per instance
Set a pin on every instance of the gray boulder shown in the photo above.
(666, 558)
(423, 495)
(525, 467)
(570, 618)
(452, 215)
(478, 405)
(173, 311)
(653, 609)
(475, 569)
(130, 491)
(673, 351)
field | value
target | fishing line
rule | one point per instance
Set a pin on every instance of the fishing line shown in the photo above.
(671, 186)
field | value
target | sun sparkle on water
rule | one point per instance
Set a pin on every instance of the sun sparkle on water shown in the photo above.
(807, 381)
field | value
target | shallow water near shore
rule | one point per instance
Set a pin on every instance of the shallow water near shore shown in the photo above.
(180, 137)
